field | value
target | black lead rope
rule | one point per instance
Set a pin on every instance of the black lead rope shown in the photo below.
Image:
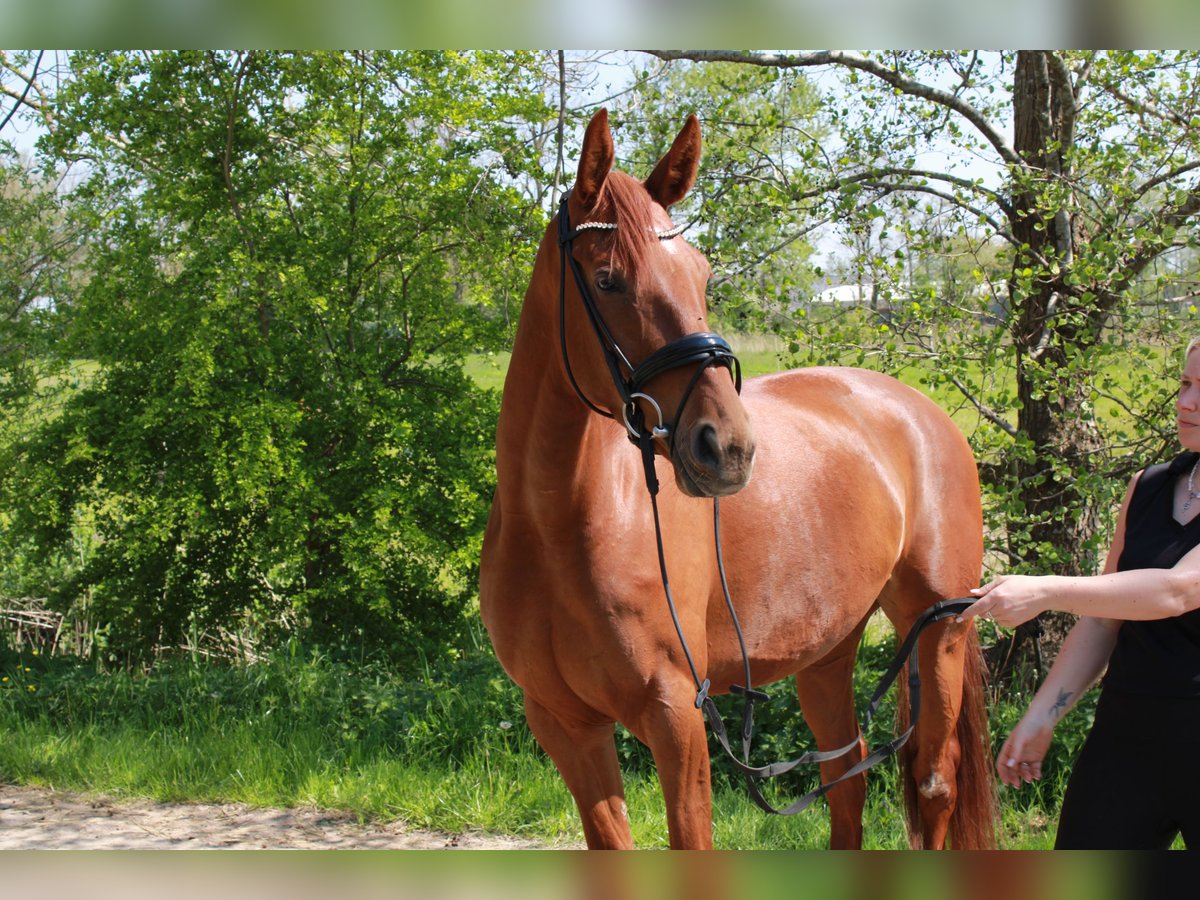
(907, 652)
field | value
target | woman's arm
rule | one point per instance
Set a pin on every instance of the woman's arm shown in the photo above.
(1080, 661)
(1133, 594)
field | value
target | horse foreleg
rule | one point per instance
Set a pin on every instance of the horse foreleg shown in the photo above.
(675, 734)
(586, 756)
(826, 694)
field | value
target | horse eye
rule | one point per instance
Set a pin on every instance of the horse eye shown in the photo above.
(607, 282)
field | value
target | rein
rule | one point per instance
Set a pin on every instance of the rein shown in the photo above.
(705, 349)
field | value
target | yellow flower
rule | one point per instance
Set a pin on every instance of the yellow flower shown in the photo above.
(31, 688)
(4, 680)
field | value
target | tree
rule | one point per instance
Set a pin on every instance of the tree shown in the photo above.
(759, 125)
(291, 255)
(39, 248)
(1096, 187)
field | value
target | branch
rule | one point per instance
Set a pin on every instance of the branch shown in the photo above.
(560, 161)
(25, 93)
(1144, 188)
(866, 179)
(1064, 93)
(42, 106)
(287, 199)
(949, 198)
(395, 383)
(955, 180)
(1060, 75)
(987, 412)
(767, 254)
(863, 64)
(1083, 73)
(1145, 108)
(1113, 398)
(1146, 251)
(227, 156)
(1047, 317)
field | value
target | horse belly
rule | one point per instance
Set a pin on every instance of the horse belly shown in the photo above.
(798, 592)
(808, 552)
(862, 489)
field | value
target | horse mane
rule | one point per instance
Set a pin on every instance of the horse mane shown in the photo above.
(624, 200)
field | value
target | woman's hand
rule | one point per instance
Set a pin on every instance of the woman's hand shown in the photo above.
(1010, 599)
(1020, 759)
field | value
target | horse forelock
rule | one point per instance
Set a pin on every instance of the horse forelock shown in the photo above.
(624, 200)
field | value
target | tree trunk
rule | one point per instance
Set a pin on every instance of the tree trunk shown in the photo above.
(1047, 327)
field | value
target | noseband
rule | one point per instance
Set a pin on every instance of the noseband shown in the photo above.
(702, 349)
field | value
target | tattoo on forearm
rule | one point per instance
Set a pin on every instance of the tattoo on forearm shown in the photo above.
(1060, 705)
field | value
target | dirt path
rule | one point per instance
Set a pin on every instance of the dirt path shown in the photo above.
(40, 819)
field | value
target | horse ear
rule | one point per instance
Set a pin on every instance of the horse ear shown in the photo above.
(675, 173)
(595, 160)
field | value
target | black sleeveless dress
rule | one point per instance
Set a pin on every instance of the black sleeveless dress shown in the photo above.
(1161, 657)
(1134, 785)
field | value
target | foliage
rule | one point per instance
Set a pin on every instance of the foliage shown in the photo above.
(289, 256)
(37, 246)
(756, 123)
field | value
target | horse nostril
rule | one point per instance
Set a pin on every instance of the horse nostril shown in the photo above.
(706, 449)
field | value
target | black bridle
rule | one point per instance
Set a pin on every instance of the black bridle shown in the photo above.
(704, 350)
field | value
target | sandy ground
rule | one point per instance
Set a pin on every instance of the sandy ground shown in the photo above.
(40, 819)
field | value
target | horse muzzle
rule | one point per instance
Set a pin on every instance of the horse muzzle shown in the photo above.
(711, 461)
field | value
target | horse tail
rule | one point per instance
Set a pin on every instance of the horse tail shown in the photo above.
(973, 824)
(906, 754)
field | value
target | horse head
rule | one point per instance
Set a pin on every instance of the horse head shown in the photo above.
(634, 324)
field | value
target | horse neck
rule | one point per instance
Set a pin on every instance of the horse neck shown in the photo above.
(547, 439)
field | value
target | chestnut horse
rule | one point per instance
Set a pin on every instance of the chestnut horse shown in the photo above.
(864, 495)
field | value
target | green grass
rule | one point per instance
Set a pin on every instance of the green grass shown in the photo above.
(487, 370)
(759, 355)
(445, 749)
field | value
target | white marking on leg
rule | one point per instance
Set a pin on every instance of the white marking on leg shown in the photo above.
(933, 786)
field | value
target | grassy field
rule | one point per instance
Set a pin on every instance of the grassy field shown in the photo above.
(762, 354)
(759, 355)
(446, 748)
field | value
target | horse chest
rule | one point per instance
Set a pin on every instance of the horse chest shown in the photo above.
(560, 605)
